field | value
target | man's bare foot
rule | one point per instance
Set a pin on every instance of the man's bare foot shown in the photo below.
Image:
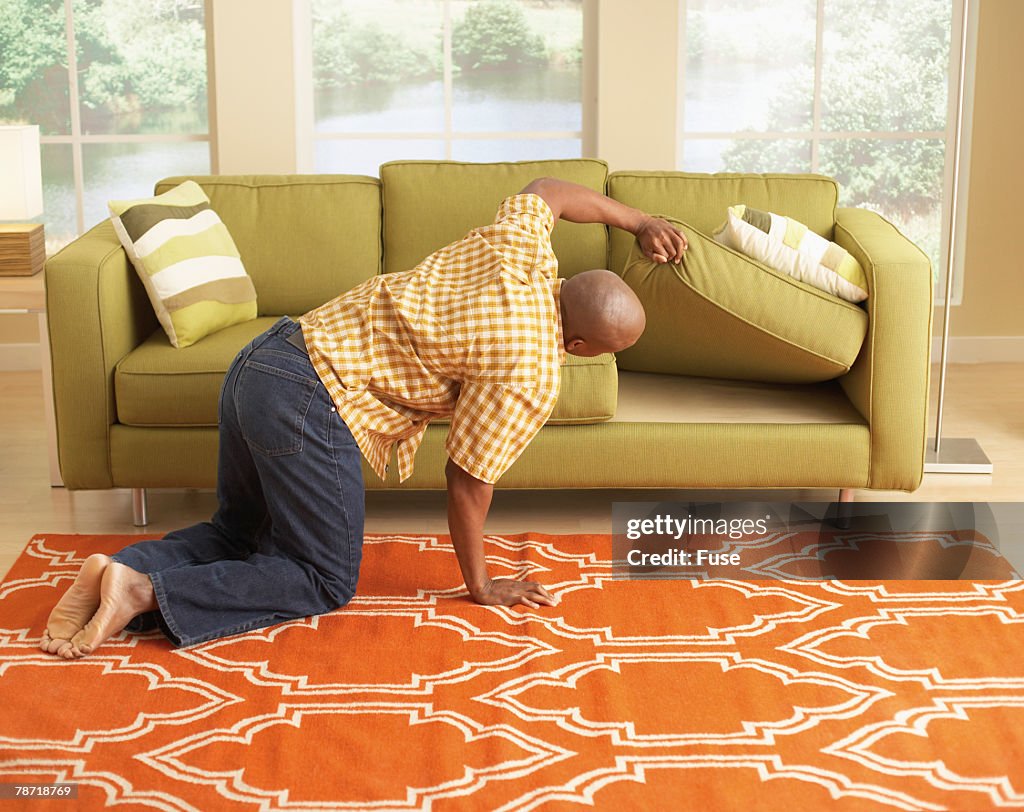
(124, 593)
(75, 608)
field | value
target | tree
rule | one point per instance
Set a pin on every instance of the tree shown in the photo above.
(133, 55)
(33, 63)
(494, 33)
(346, 54)
(885, 70)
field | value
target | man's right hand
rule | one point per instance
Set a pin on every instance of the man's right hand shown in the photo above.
(506, 592)
(660, 240)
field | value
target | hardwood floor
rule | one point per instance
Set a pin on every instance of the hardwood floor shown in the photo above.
(985, 401)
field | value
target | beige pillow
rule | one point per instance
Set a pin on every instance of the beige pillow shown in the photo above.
(786, 245)
(187, 261)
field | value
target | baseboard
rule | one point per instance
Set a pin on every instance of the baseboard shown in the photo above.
(19, 357)
(980, 349)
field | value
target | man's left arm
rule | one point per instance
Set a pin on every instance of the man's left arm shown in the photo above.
(658, 239)
(491, 426)
(469, 500)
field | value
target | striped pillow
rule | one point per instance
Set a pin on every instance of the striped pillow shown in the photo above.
(785, 245)
(187, 262)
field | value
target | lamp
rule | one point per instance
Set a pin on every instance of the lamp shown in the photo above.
(958, 455)
(22, 246)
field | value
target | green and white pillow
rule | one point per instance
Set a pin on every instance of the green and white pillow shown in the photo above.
(187, 261)
(785, 245)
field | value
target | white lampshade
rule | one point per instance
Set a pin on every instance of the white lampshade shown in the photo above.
(21, 176)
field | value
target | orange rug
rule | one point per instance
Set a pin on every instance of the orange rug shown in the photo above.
(841, 695)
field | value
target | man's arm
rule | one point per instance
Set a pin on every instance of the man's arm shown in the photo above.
(659, 240)
(469, 499)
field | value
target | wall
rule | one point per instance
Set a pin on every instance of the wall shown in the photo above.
(993, 300)
(259, 93)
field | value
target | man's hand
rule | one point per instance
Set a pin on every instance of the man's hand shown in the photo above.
(468, 502)
(660, 240)
(505, 592)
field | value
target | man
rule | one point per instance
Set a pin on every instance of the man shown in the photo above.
(478, 331)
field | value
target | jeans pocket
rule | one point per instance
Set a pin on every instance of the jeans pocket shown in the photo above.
(272, 404)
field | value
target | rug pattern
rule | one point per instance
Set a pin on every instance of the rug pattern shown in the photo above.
(840, 695)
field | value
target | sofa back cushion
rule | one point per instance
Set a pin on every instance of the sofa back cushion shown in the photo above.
(304, 239)
(702, 200)
(428, 204)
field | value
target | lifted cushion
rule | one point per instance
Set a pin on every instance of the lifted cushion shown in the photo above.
(721, 314)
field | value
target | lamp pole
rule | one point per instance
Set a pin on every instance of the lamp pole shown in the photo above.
(958, 455)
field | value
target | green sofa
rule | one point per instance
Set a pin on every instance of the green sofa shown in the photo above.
(133, 412)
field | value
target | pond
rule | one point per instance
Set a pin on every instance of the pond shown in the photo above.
(529, 100)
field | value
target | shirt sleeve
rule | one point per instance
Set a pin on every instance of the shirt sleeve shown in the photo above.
(522, 233)
(493, 424)
(528, 212)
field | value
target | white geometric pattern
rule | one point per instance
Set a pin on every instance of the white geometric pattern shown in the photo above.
(627, 694)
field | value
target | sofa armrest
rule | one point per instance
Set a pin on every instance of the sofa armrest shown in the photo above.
(97, 311)
(888, 383)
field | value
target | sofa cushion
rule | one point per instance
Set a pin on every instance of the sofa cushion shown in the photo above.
(428, 204)
(721, 314)
(701, 200)
(157, 385)
(187, 261)
(304, 239)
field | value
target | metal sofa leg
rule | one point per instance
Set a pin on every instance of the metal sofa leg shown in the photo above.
(139, 513)
(846, 494)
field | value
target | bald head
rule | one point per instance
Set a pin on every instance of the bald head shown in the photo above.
(600, 313)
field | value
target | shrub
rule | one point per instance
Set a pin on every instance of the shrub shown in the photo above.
(493, 33)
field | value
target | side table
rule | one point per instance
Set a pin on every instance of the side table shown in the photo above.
(27, 294)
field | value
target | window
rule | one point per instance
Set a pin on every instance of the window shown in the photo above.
(118, 88)
(855, 89)
(467, 80)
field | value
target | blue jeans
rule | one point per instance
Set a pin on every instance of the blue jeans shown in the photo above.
(287, 538)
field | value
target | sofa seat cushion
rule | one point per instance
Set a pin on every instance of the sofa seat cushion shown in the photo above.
(158, 385)
(721, 314)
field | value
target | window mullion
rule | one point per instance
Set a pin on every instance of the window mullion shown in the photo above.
(76, 118)
(819, 56)
(447, 71)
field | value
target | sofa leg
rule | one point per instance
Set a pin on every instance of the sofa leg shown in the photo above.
(139, 513)
(844, 509)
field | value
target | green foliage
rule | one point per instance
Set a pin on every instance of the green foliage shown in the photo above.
(574, 55)
(32, 63)
(495, 33)
(346, 54)
(885, 71)
(140, 54)
(133, 56)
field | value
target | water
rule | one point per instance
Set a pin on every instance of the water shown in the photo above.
(483, 101)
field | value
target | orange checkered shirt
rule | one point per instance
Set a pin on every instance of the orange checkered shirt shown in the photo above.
(474, 331)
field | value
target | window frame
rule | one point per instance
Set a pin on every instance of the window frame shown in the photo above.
(308, 135)
(76, 138)
(816, 135)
